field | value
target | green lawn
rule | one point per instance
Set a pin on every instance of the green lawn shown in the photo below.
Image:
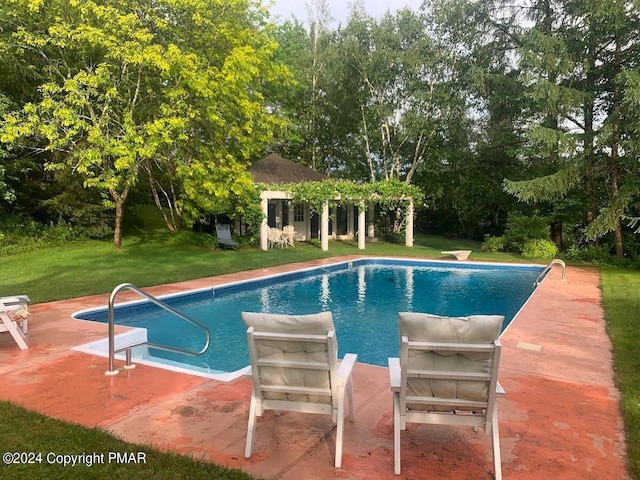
(79, 269)
(621, 301)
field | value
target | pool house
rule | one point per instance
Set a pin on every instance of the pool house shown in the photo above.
(342, 220)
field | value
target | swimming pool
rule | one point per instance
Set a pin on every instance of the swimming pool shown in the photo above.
(364, 297)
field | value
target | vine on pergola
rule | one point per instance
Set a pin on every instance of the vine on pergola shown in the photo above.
(388, 193)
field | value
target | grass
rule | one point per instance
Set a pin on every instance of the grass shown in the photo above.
(86, 268)
(76, 270)
(621, 302)
(22, 430)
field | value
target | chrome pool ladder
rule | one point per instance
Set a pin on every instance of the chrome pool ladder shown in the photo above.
(548, 268)
(112, 350)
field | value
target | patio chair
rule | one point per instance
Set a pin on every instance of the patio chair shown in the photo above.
(223, 231)
(447, 373)
(294, 365)
(289, 235)
(13, 318)
(276, 239)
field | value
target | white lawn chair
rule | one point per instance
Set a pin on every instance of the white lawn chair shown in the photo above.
(294, 365)
(447, 373)
(13, 318)
(289, 235)
(276, 239)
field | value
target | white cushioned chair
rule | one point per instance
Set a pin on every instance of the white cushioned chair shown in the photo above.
(294, 365)
(447, 373)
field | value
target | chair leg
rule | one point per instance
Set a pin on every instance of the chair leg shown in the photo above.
(352, 411)
(14, 330)
(396, 433)
(340, 427)
(251, 428)
(495, 444)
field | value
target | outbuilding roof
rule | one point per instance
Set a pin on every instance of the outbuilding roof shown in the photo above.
(274, 169)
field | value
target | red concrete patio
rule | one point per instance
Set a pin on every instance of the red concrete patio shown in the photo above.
(560, 418)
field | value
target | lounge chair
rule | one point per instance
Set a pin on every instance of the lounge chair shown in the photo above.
(294, 365)
(223, 231)
(13, 318)
(447, 373)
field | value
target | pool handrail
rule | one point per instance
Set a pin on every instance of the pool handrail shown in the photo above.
(111, 314)
(548, 268)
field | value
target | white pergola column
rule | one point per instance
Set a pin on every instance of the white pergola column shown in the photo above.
(409, 232)
(264, 226)
(361, 226)
(290, 212)
(324, 227)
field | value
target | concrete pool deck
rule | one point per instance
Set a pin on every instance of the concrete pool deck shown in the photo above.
(560, 418)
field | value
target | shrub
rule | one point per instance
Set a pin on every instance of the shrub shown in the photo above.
(21, 234)
(493, 244)
(598, 254)
(521, 228)
(539, 248)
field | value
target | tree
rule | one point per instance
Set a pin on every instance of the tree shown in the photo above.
(132, 87)
(576, 56)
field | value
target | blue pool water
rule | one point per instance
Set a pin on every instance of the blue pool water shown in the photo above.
(364, 297)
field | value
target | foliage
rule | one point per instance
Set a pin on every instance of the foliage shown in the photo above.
(574, 59)
(494, 244)
(132, 86)
(521, 228)
(596, 254)
(388, 194)
(196, 239)
(6, 192)
(528, 235)
(21, 234)
(539, 248)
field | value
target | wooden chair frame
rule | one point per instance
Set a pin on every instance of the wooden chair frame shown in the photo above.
(339, 383)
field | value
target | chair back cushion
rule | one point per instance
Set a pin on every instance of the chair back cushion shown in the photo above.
(293, 351)
(474, 329)
(223, 231)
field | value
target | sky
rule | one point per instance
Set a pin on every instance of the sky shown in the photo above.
(339, 8)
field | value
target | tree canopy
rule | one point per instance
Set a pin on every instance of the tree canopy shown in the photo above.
(171, 90)
(492, 110)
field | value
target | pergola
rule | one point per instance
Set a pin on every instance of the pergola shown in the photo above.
(275, 170)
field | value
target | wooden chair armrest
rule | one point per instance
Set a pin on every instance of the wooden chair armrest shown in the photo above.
(345, 368)
(394, 373)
